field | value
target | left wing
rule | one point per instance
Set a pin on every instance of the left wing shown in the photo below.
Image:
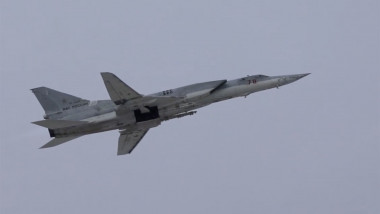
(119, 92)
(129, 140)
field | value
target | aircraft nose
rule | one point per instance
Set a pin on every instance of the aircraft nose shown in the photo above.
(283, 80)
(296, 77)
(299, 76)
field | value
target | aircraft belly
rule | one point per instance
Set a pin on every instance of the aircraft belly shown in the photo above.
(97, 124)
(86, 129)
(102, 118)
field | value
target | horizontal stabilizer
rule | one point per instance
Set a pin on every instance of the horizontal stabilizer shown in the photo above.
(57, 124)
(58, 141)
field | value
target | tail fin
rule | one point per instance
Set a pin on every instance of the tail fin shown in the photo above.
(53, 101)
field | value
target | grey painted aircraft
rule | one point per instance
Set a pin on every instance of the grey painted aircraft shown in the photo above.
(68, 117)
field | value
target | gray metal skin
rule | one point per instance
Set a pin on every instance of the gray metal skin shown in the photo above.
(76, 117)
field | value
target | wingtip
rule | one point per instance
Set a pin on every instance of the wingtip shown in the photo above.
(122, 153)
(45, 146)
(106, 73)
(35, 123)
(37, 88)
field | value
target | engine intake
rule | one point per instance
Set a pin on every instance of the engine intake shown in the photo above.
(152, 114)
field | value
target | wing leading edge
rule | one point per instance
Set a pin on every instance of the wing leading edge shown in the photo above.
(128, 141)
(119, 92)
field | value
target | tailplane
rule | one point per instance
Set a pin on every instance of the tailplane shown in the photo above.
(59, 124)
(58, 141)
(53, 101)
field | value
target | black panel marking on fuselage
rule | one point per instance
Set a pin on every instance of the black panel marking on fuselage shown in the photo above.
(152, 114)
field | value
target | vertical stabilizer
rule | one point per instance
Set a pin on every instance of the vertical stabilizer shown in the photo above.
(53, 101)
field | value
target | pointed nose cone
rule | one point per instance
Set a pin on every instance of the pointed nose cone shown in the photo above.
(296, 77)
(299, 76)
(290, 78)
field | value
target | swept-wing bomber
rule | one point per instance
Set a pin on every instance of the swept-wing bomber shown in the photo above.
(68, 117)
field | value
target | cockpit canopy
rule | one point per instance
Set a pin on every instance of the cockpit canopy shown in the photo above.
(259, 76)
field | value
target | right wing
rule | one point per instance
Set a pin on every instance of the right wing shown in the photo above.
(119, 92)
(129, 140)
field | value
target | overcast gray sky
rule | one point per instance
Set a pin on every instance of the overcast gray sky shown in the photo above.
(309, 147)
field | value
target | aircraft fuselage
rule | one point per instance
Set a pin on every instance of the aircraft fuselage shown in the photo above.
(130, 112)
(241, 87)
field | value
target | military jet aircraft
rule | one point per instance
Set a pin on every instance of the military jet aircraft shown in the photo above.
(68, 117)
